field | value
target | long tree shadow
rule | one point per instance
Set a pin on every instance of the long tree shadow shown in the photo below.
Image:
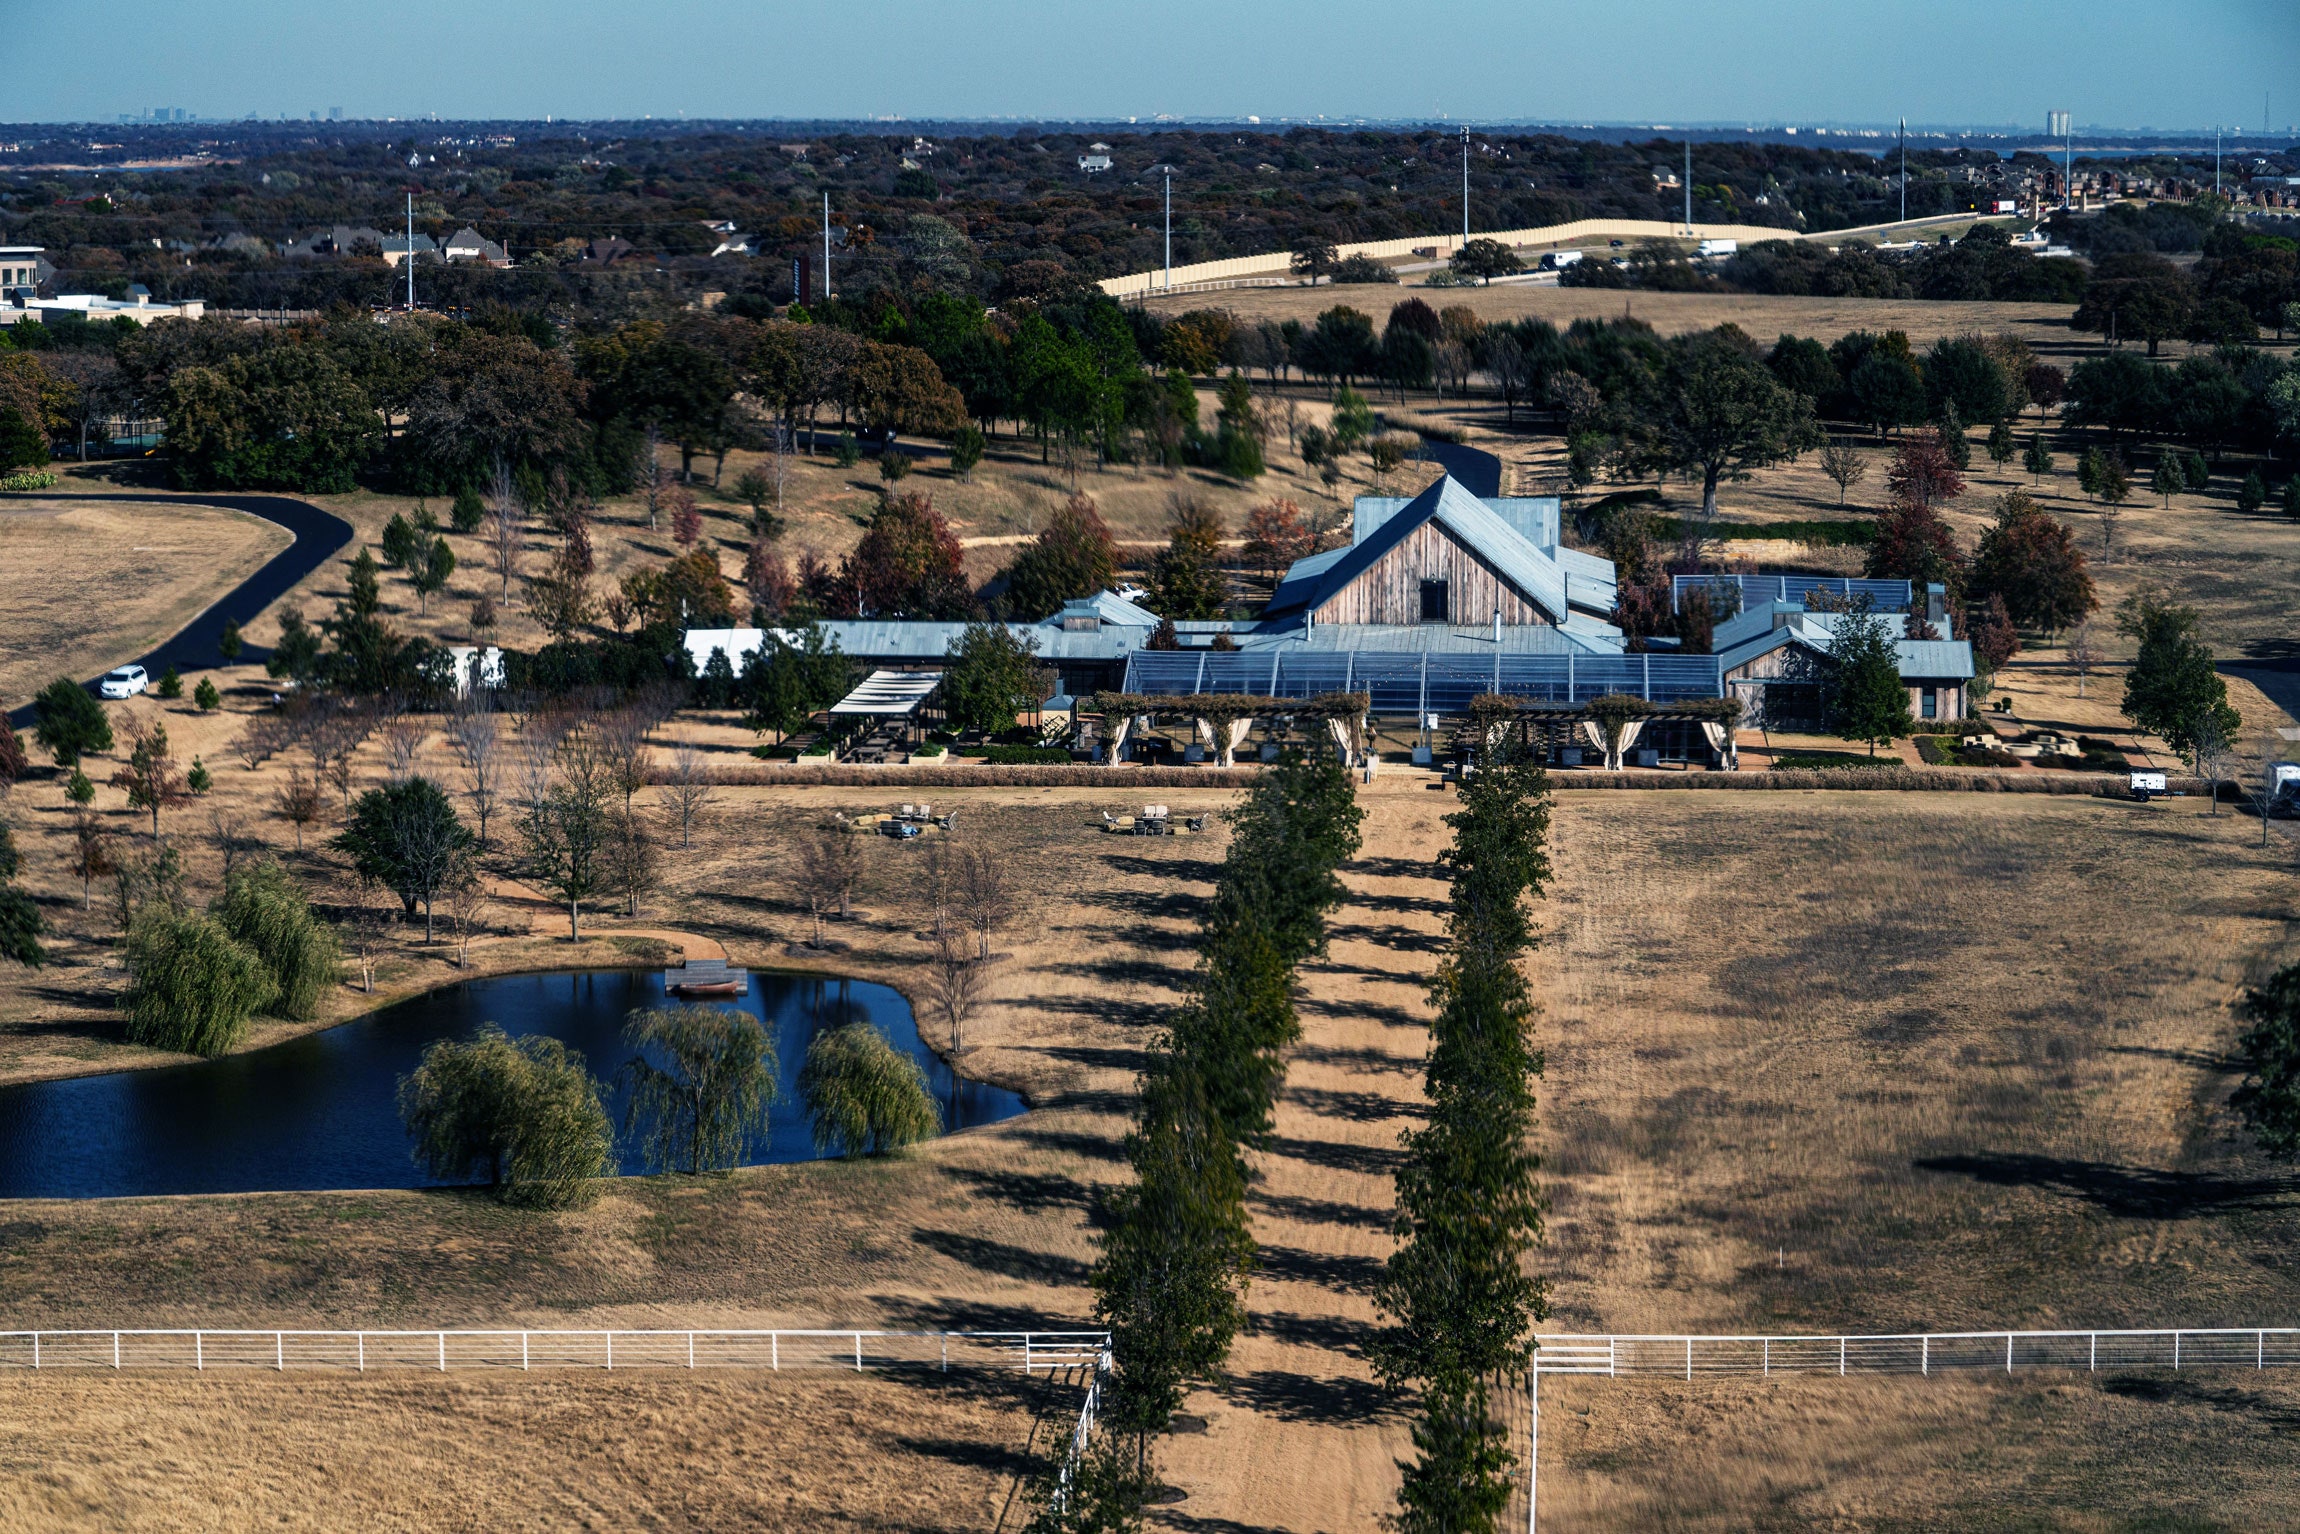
(1002, 1258)
(1104, 1009)
(1131, 1061)
(1355, 1275)
(2143, 1193)
(1320, 1211)
(1338, 1334)
(1292, 1397)
(1392, 868)
(1025, 1190)
(1339, 1157)
(1093, 1147)
(1395, 905)
(1397, 938)
(2188, 1392)
(1356, 1107)
(1358, 1057)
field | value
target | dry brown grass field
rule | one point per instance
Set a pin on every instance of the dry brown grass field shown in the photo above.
(85, 587)
(1762, 315)
(1815, 1061)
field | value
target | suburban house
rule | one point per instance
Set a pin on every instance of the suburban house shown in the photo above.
(1441, 598)
(138, 307)
(468, 244)
(1765, 659)
(22, 269)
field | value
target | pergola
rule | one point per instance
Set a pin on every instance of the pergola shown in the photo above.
(889, 694)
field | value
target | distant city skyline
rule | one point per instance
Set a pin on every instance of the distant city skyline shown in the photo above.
(2117, 65)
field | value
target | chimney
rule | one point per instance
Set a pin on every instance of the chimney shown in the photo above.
(1937, 606)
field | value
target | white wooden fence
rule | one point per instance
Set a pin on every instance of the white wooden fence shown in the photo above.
(440, 1349)
(1684, 1356)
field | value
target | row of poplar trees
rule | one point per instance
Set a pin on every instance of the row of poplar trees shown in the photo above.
(1176, 1249)
(1458, 1292)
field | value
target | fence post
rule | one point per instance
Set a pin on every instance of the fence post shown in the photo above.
(2008, 1352)
(443, 1352)
(362, 1336)
(35, 1352)
(1689, 1358)
(1533, 1453)
(1840, 1356)
(610, 1336)
(199, 1351)
(523, 1350)
(1925, 1362)
(2259, 1350)
(1768, 1358)
(946, 1352)
(2176, 1351)
(1026, 1362)
(2094, 1366)
(279, 1352)
(775, 1350)
(690, 1350)
(115, 1350)
(858, 1352)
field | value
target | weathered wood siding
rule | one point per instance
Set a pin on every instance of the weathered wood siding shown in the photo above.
(1775, 665)
(1390, 591)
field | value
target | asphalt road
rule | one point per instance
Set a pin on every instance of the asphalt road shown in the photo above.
(318, 536)
(1478, 471)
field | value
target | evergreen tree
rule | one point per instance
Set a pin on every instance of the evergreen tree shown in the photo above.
(1867, 699)
(2001, 447)
(2037, 460)
(1461, 1303)
(2252, 494)
(2167, 478)
(2269, 1099)
(2173, 689)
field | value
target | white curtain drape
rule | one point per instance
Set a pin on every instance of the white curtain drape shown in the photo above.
(1722, 742)
(1629, 734)
(1232, 734)
(1340, 730)
(1595, 736)
(1120, 728)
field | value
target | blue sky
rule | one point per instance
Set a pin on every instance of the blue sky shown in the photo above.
(2124, 63)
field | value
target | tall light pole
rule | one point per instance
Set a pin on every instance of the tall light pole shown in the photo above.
(1904, 170)
(1167, 171)
(826, 261)
(1465, 183)
(410, 256)
(2216, 160)
(1689, 188)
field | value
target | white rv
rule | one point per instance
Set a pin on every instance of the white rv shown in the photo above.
(1712, 248)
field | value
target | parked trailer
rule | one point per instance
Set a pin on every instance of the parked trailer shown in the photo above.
(2146, 784)
(1559, 260)
(2283, 788)
(1717, 248)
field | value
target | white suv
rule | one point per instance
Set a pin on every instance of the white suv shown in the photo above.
(125, 682)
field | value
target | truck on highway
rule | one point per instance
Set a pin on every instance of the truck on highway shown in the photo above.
(1712, 248)
(1559, 260)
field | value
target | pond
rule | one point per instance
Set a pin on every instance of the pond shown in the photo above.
(322, 1112)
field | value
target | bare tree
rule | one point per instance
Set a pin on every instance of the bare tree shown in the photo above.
(936, 886)
(228, 834)
(403, 738)
(632, 868)
(469, 903)
(1845, 464)
(2213, 752)
(823, 873)
(2083, 653)
(298, 802)
(91, 854)
(368, 909)
(988, 897)
(505, 535)
(622, 741)
(2108, 520)
(570, 833)
(955, 982)
(653, 479)
(477, 733)
(685, 789)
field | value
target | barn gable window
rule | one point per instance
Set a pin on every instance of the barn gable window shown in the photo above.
(1434, 608)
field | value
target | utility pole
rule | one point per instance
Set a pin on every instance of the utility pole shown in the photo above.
(2068, 158)
(827, 263)
(1465, 183)
(2216, 160)
(1168, 172)
(1904, 170)
(1689, 188)
(410, 255)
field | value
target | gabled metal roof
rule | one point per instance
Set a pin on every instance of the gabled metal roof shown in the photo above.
(1490, 536)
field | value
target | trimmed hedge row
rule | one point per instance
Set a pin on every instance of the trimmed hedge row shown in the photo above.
(1899, 779)
(1072, 775)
